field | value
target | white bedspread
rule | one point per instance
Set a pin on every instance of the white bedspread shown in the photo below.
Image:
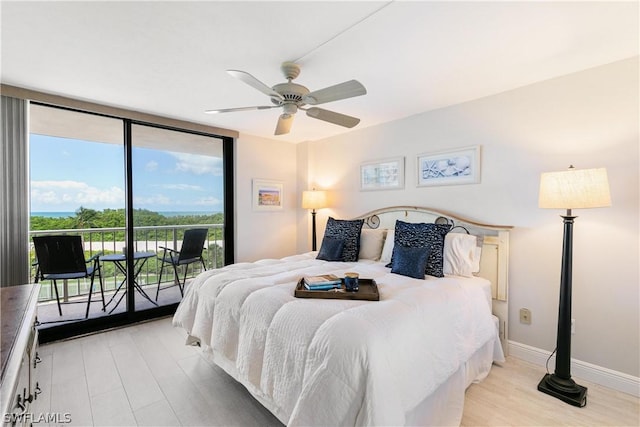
(336, 362)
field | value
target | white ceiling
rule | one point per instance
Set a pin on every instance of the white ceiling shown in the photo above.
(169, 58)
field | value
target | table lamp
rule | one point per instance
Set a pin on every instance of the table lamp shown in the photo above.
(571, 189)
(314, 200)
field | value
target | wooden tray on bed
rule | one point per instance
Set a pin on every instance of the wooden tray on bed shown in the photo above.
(367, 290)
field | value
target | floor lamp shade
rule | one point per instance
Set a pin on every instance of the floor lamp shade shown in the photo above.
(314, 200)
(586, 188)
(574, 189)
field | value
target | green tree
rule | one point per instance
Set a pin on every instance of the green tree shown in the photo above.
(86, 218)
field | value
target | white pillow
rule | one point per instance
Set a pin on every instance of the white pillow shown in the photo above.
(387, 249)
(477, 256)
(460, 254)
(371, 242)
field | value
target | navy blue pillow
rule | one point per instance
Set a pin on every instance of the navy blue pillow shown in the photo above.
(409, 261)
(349, 232)
(331, 249)
(423, 235)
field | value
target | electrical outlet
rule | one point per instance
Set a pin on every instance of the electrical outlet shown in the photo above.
(525, 316)
(573, 326)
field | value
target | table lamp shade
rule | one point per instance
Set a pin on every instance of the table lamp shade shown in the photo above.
(314, 199)
(574, 188)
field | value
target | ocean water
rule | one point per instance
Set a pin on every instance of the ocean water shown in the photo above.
(167, 214)
(53, 214)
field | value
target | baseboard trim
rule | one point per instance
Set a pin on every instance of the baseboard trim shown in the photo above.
(596, 374)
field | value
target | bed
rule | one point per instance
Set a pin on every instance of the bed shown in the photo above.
(403, 360)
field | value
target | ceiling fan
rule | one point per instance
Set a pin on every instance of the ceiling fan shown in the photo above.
(292, 97)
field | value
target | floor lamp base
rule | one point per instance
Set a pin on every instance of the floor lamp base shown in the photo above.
(566, 390)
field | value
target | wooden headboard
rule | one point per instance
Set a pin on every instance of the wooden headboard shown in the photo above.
(494, 263)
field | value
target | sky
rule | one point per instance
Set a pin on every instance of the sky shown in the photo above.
(69, 173)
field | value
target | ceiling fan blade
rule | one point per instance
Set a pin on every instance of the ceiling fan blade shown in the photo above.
(231, 110)
(254, 83)
(332, 117)
(284, 124)
(334, 93)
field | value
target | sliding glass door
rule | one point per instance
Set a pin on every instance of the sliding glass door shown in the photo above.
(178, 188)
(77, 188)
(147, 201)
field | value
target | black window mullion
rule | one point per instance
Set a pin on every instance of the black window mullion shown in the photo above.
(129, 232)
(229, 211)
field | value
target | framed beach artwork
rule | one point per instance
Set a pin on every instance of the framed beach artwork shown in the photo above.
(451, 167)
(386, 174)
(267, 195)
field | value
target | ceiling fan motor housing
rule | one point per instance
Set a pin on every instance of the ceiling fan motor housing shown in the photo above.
(292, 93)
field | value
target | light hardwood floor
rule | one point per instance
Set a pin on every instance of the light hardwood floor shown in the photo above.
(509, 396)
(144, 375)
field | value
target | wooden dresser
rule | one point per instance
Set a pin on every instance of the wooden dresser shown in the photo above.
(18, 387)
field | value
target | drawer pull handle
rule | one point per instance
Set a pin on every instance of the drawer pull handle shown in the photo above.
(20, 404)
(36, 360)
(23, 400)
(37, 391)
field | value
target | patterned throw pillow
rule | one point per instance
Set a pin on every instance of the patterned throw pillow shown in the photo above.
(331, 249)
(411, 262)
(431, 236)
(349, 231)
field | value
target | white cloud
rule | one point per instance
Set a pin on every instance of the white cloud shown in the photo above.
(198, 164)
(209, 201)
(70, 195)
(74, 194)
(186, 187)
(158, 199)
(151, 166)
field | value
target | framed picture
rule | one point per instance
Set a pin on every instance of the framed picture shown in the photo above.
(459, 166)
(267, 195)
(386, 174)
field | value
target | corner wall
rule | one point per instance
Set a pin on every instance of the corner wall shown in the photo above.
(588, 119)
(265, 234)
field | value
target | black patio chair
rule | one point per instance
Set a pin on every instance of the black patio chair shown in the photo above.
(61, 257)
(190, 252)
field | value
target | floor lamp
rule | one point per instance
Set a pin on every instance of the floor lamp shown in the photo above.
(572, 189)
(314, 200)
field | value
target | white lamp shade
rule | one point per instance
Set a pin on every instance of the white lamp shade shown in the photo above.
(574, 189)
(314, 199)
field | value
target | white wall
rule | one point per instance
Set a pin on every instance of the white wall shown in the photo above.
(588, 119)
(265, 234)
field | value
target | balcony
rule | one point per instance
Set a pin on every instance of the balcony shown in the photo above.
(109, 241)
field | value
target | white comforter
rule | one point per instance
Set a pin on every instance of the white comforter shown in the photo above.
(336, 362)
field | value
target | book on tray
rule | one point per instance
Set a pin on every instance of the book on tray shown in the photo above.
(322, 283)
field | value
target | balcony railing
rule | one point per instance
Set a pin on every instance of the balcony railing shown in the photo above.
(146, 239)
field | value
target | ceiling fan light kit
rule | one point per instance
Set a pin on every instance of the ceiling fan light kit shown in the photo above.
(291, 97)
